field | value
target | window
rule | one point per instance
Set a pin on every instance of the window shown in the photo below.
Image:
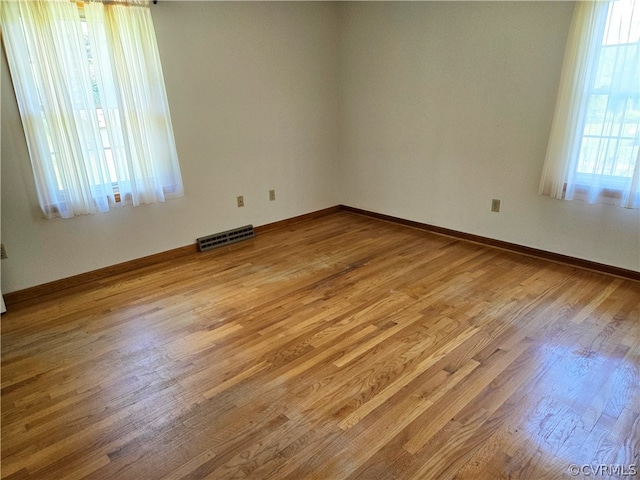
(595, 139)
(91, 95)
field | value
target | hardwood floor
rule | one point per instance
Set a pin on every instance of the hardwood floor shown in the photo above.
(340, 348)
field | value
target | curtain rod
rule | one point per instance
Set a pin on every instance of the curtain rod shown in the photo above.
(80, 2)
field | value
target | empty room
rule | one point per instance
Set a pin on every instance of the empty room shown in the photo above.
(320, 240)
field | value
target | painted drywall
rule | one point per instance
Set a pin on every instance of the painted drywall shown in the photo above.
(253, 97)
(447, 105)
(422, 110)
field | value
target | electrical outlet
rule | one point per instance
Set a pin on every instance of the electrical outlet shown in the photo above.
(3, 251)
(272, 195)
(240, 201)
(495, 205)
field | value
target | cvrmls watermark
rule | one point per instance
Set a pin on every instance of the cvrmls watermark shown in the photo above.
(603, 470)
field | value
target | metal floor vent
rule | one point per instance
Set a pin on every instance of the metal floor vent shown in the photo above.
(225, 238)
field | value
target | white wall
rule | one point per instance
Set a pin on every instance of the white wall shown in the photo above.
(445, 106)
(421, 110)
(253, 97)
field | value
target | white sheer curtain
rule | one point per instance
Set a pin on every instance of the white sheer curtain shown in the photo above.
(93, 104)
(593, 148)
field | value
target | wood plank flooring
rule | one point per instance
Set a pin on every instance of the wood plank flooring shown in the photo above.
(339, 348)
